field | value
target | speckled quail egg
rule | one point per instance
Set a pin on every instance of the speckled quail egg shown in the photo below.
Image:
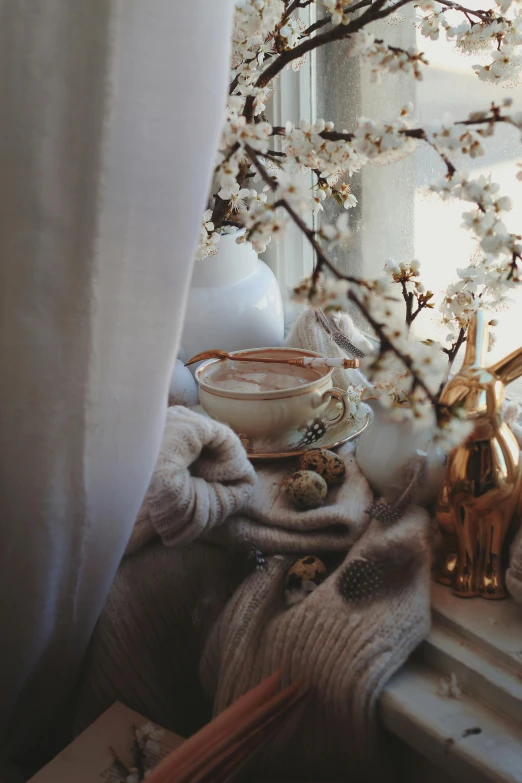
(303, 578)
(306, 569)
(306, 488)
(326, 463)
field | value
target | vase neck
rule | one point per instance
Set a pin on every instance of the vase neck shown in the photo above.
(231, 263)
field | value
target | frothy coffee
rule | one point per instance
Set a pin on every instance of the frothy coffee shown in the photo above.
(255, 377)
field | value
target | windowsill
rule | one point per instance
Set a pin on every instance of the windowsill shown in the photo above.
(481, 642)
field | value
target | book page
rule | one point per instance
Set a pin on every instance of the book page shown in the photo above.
(89, 760)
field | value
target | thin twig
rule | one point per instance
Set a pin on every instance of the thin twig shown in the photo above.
(318, 25)
(391, 9)
(484, 16)
(118, 763)
(139, 756)
(308, 232)
(455, 347)
(408, 298)
(293, 7)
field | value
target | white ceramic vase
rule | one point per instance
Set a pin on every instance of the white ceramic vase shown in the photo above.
(385, 448)
(234, 302)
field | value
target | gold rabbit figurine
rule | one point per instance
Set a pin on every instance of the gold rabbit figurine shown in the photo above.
(480, 500)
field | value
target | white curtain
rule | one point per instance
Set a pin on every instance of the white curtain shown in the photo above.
(111, 111)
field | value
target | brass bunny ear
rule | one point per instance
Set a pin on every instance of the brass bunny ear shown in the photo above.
(477, 341)
(510, 368)
(477, 344)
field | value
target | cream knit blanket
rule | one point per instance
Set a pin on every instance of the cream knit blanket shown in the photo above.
(202, 476)
(273, 526)
(345, 639)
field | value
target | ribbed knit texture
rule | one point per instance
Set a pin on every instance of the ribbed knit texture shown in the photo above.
(170, 608)
(272, 524)
(147, 644)
(308, 334)
(202, 476)
(345, 639)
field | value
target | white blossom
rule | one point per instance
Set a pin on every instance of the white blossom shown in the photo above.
(338, 10)
(291, 31)
(263, 222)
(384, 58)
(238, 131)
(429, 6)
(227, 173)
(293, 190)
(345, 195)
(454, 138)
(453, 432)
(338, 233)
(236, 196)
(208, 238)
(327, 293)
(505, 64)
(148, 737)
(430, 26)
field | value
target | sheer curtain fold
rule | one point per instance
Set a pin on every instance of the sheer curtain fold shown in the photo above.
(111, 115)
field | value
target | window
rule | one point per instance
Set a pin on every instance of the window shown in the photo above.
(396, 215)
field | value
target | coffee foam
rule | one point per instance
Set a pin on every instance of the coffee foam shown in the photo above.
(256, 377)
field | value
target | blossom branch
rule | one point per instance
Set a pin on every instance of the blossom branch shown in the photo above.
(308, 232)
(390, 10)
(388, 345)
(294, 6)
(323, 261)
(269, 35)
(337, 33)
(408, 299)
(320, 23)
(484, 16)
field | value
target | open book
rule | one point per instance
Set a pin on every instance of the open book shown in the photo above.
(219, 753)
(89, 758)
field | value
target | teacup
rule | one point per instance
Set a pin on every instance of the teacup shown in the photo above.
(276, 402)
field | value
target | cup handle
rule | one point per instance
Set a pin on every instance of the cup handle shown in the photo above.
(340, 396)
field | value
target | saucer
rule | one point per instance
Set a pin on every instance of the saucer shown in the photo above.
(265, 451)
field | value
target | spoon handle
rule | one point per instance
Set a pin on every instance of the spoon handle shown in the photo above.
(301, 361)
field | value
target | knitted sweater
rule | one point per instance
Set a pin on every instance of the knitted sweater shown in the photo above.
(345, 639)
(173, 607)
(202, 476)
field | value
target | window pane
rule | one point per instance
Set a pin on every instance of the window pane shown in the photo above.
(396, 215)
(441, 244)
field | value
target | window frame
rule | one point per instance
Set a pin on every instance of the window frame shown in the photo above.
(291, 258)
